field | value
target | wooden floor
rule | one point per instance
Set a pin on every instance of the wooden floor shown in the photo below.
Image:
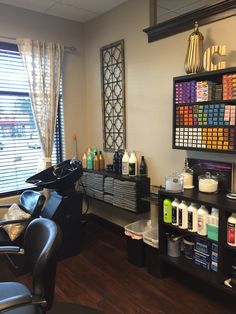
(102, 278)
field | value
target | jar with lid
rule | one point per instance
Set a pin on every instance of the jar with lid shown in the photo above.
(174, 183)
(208, 183)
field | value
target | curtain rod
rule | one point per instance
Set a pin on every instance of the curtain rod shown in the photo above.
(12, 40)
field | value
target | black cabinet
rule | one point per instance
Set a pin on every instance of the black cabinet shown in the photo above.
(204, 107)
(122, 191)
(225, 252)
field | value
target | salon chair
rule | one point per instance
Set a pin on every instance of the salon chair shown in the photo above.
(42, 240)
(31, 202)
(12, 229)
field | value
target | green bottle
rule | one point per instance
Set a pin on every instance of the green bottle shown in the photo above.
(167, 210)
(90, 161)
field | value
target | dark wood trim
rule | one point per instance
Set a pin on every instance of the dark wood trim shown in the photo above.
(186, 21)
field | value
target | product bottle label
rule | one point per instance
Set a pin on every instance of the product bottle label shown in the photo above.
(174, 214)
(180, 217)
(231, 233)
(190, 220)
(125, 167)
(132, 169)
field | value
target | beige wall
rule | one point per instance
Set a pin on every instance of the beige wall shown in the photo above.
(150, 68)
(16, 22)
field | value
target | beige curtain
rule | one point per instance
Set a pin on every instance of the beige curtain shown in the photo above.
(43, 63)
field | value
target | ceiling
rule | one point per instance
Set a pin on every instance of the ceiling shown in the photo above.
(85, 10)
(76, 10)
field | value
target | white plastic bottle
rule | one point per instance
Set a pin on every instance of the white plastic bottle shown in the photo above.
(175, 212)
(231, 230)
(183, 215)
(214, 219)
(132, 165)
(192, 218)
(202, 215)
(125, 164)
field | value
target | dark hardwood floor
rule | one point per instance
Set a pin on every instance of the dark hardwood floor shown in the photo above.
(101, 277)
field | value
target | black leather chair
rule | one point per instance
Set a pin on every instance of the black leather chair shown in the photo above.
(32, 203)
(41, 243)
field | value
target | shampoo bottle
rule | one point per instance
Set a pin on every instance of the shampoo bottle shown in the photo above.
(167, 211)
(125, 164)
(132, 165)
(175, 212)
(202, 216)
(183, 215)
(231, 230)
(192, 218)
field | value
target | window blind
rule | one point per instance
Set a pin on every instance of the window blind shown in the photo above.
(20, 147)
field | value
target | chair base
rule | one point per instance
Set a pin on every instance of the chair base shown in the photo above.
(66, 211)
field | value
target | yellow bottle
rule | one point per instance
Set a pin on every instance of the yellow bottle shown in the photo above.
(84, 161)
(96, 162)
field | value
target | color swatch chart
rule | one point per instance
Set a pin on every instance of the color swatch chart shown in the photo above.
(205, 115)
(197, 91)
(229, 86)
(207, 138)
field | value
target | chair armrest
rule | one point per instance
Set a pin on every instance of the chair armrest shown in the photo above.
(15, 221)
(14, 301)
(5, 205)
(10, 249)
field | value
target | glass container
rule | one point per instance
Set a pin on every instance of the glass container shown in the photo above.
(208, 183)
(174, 183)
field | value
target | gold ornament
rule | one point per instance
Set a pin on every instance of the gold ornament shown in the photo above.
(209, 55)
(194, 58)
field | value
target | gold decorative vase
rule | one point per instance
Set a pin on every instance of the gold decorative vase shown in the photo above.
(194, 58)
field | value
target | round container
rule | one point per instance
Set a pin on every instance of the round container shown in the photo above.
(188, 247)
(207, 183)
(174, 245)
(174, 183)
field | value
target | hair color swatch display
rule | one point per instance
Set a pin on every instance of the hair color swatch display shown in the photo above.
(204, 111)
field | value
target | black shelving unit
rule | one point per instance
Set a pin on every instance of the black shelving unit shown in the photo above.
(225, 252)
(202, 125)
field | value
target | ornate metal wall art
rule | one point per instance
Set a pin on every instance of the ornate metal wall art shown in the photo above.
(113, 96)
